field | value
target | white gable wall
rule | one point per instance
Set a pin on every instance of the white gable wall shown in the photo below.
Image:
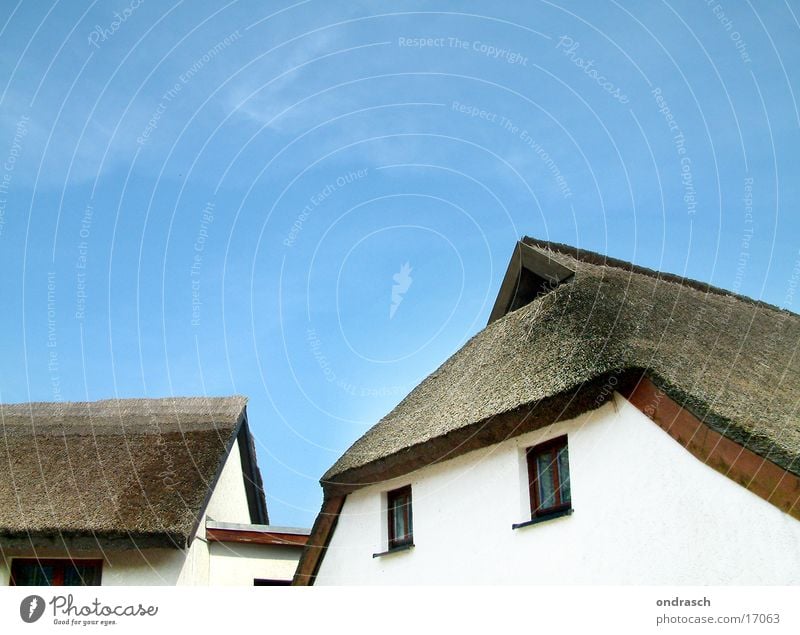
(646, 512)
(229, 501)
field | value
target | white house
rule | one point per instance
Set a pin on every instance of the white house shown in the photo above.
(136, 492)
(610, 425)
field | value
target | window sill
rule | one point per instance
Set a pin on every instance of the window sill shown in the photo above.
(393, 550)
(543, 518)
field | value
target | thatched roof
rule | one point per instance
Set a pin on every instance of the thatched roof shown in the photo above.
(729, 360)
(135, 469)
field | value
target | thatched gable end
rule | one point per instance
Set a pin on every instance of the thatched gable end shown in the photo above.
(140, 470)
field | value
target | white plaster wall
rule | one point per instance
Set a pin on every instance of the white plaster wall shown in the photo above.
(197, 561)
(229, 501)
(239, 564)
(646, 512)
(148, 567)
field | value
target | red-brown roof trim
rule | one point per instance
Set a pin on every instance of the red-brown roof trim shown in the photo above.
(256, 534)
(318, 541)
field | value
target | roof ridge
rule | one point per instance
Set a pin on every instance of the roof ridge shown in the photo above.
(596, 258)
(125, 400)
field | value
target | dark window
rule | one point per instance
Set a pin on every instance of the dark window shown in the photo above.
(55, 572)
(401, 531)
(265, 582)
(548, 476)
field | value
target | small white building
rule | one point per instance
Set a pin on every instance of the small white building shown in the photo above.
(136, 492)
(247, 554)
(611, 425)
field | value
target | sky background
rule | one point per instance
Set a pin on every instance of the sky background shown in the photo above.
(199, 198)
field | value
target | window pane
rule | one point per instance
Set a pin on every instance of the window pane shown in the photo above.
(400, 527)
(544, 465)
(81, 575)
(55, 572)
(399, 519)
(33, 574)
(563, 474)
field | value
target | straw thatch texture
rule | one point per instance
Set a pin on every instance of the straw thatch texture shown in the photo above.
(729, 360)
(130, 468)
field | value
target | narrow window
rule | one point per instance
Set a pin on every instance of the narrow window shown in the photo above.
(401, 532)
(55, 572)
(548, 477)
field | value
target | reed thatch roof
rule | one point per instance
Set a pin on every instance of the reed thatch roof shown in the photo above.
(731, 361)
(135, 469)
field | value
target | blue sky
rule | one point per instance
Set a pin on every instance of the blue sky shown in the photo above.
(207, 198)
